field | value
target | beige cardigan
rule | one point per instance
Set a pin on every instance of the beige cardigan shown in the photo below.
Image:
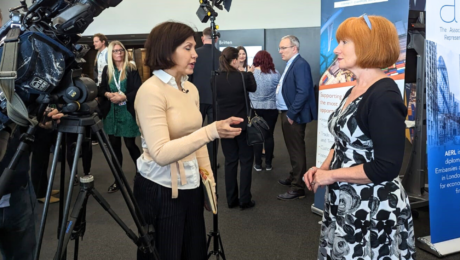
(171, 125)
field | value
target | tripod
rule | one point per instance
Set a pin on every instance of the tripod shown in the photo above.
(214, 233)
(75, 226)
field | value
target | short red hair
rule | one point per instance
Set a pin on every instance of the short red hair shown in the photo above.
(264, 60)
(375, 48)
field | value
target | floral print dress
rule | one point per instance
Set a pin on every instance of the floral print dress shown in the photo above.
(362, 221)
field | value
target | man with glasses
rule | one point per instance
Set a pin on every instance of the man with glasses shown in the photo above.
(295, 100)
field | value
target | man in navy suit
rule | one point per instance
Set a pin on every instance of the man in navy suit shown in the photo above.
(295, 100)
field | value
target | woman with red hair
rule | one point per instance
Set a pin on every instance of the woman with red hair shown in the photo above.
(264, 103)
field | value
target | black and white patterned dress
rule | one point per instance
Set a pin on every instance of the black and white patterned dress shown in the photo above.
(362, 221)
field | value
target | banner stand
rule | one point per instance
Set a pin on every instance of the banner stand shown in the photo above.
(414, 177)
(316, 210)
(438, 249)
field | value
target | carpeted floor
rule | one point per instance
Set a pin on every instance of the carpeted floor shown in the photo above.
(274, 229)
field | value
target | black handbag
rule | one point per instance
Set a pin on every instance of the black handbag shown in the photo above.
(257, 130)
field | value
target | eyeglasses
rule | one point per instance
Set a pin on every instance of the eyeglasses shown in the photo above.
(284, 48)
(368, 22)
(121, 51)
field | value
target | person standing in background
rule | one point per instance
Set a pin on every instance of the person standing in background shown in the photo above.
(119, 86)
(242, 59)
(201, 78)
(231, 101)
(295, 100)
(264, 103)
(101, 43)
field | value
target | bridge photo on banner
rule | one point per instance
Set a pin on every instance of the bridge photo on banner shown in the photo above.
(334, 82)
(443, 126)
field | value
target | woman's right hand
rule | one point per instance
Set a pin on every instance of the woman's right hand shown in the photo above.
(309, 176)
(225, 129)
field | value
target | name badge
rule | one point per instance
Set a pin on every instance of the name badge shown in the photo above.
(122, 103)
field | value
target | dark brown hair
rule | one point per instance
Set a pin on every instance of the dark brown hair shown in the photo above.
(163, 41)
(226, 58)
(246, 60)
(384, 50)
(207, 32)
(102, 38)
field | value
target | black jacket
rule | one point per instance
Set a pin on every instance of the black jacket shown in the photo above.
(380, 115)
(133, 84)
(201, 76)
(230, 95)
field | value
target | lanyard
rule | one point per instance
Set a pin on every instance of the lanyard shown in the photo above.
(117, 84)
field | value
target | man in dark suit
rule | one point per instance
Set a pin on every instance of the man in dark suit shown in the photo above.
(201, 77)
(295, 100)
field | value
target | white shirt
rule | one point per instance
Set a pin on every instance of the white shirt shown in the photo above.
(101, 63)
(162, 174)
(280, 102)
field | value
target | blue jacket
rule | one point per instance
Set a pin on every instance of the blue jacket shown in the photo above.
(298, 92)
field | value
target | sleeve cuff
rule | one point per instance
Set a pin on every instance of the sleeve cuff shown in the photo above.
(211, 131)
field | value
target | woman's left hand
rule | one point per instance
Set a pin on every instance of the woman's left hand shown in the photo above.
(117, 98)
(321, 179)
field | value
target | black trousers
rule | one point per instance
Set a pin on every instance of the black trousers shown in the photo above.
(180, 233)
(86, 151)
(236, 150)
(40, 160)
(271, 116)
(294, 137)
(130, 143)
(206, 112)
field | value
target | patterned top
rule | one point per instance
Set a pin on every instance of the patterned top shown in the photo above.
(119, 122)
(265, 95)
(363, 221)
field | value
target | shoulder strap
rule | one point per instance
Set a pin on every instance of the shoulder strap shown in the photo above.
(17, 110)
(249, 106)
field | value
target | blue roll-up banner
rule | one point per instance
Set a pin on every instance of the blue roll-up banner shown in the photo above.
(334, 82)
(443, 118)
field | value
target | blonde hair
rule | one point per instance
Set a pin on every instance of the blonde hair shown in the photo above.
(111, 66)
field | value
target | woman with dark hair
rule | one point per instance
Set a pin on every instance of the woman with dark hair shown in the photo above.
(168, 186)
(242, 59)
(367, 213)
(231, 102)
(264, 102)
(119, 85)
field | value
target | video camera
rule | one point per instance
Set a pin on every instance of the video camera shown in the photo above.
(47, 69)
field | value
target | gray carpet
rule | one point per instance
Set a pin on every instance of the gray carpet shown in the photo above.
(272, 230)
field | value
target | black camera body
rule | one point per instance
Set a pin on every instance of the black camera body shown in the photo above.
(48, 55)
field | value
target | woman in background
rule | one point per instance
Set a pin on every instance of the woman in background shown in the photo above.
(231, 102)
(264, 103)
(117, 92)
(242, 59)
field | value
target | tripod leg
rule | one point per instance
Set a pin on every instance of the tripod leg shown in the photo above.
(48, 195)
(221, 252)
(144, 241)
(117, 172)
(77, 208)
(69, 193)
(116, 163)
